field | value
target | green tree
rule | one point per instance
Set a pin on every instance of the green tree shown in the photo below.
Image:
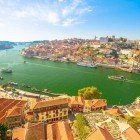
(3, 130)
(89, 93)
(133, 121)
(81, 127)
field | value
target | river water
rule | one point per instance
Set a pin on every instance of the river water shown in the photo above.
(68, 77)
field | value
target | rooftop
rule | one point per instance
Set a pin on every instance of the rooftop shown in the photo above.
(131, 134)
(57, 101)
(56, 131)
(100, 133)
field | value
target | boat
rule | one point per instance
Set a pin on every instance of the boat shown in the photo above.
(45, 91)
(13, 84)
(90, 65)
(1, 78)
(8, 70)
(120, 78)
(26, 86)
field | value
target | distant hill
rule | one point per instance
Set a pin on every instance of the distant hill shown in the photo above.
(6, 45)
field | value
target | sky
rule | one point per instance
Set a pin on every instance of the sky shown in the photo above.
(28, 20)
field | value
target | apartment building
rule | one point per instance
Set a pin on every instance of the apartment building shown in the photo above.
(78, 104)
(51, 110)
(12, 112)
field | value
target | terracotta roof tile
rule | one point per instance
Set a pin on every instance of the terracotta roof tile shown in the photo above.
(59, 131)
(99, 102)
(114, 111)
(51, 102)
(131, 134)
(40, 131)
(15, 111)
(19, 133)
(100, 134)
(77, 100)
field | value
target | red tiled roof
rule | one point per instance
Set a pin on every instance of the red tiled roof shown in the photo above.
(99, 103)
(114, 111)
(100, 134)
(59, 131)
(15, 111)
(77, 100)
(57, 101)
(131, 134)
(40, 131)
(19, 133)
(6, 104)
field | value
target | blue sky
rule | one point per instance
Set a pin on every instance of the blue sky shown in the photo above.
(26, 20)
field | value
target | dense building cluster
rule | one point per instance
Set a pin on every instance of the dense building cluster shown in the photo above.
(66, 118)
(108, 52)
(53, 118)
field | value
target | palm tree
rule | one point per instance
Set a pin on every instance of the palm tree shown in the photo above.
(3, 129)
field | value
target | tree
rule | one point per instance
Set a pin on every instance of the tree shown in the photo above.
(134, 121)
(81, 127)
(89, 93)
(3, 130)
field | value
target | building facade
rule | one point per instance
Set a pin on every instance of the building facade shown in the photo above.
(51, 110)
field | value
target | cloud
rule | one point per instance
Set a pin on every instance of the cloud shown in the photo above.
(63, 14)
(61, 0)
(68, 22)
(1, 24)
(53, 17)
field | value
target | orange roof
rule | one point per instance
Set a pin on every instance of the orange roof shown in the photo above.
(52, 102)
(114, 111)
(8, 104)
(21, 103)
(88, 103)
(19, 133)
(59, 130)
(35, 131)
(100, 103)
(2, 119)
(40, 131)
(15, 111)
(96, 103)
(100, 134)
(77, 100)
(131, 134)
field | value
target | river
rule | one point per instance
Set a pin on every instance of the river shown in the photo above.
(68, 77)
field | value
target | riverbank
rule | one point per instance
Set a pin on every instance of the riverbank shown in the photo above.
(122, 67)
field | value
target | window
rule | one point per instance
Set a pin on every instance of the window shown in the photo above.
(65, 112)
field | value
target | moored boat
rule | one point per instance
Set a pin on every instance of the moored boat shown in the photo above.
(90, 65)
(13, 83)
(8, 70)
(120, 78)
(1, 78)
(26, 86)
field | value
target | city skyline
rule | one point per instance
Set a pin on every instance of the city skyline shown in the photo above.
(58, 19)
